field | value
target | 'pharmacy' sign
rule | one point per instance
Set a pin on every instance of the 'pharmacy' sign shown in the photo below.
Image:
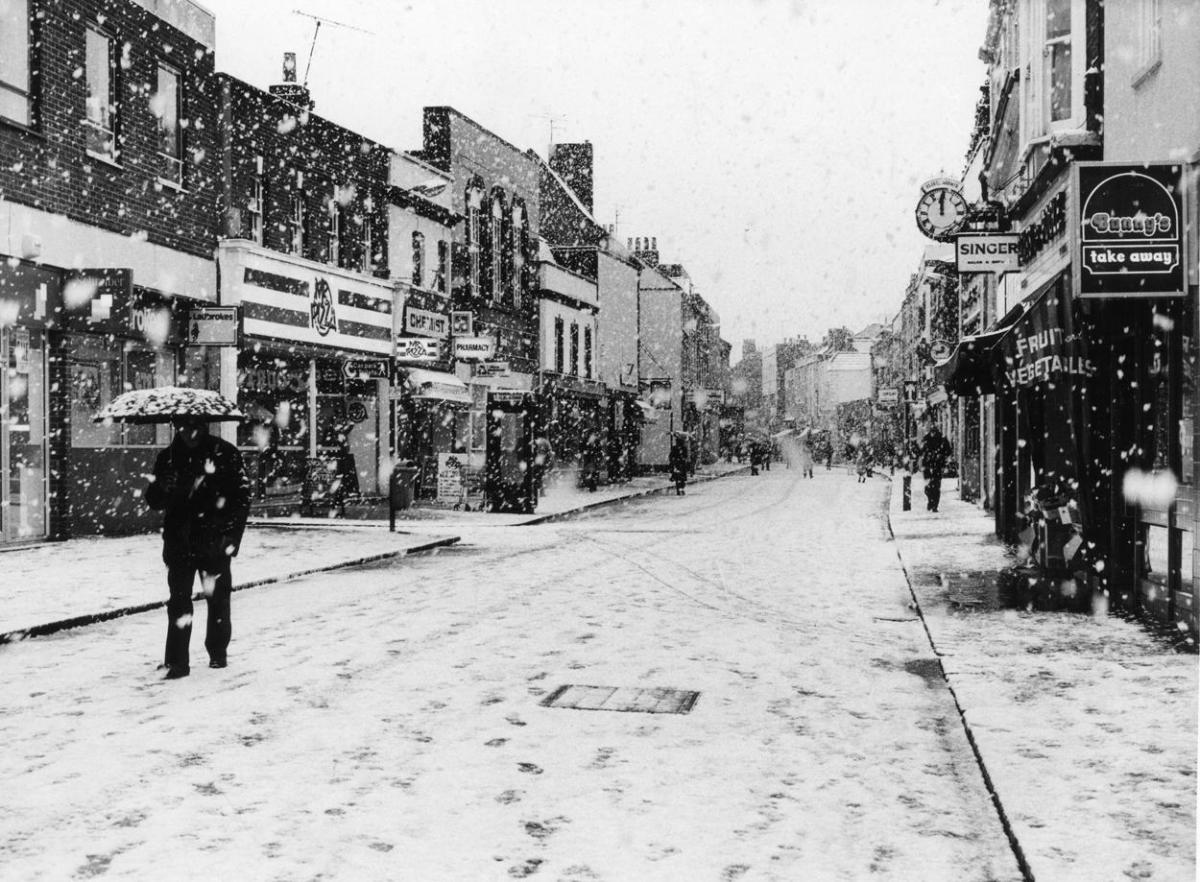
(1129, 231)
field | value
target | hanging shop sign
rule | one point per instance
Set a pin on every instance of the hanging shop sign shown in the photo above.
(474, 348)
(425, 323)
(365, 369)
(1128, 229)
(214, 326)
(991, 253)
(419, 349)
(462, 323)
(889, 395)
(939, 350)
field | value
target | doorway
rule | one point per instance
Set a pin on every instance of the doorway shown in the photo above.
(23, 433)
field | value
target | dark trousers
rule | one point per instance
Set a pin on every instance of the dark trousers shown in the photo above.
(181, 578)
(933, 490)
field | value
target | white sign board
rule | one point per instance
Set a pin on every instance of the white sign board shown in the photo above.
(492, 369)
(987, 253)
(477, 348)
(213, 326)
(424, 322)
(418, 349)
(889, 395)
(451, 476)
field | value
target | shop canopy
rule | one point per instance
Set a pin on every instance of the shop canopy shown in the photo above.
(972, 366)
(438, 386)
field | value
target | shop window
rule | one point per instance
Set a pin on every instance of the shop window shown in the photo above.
(98, 374)
(273, 392)
(14, 61)
(418, 259)
(100, 74)
(166, 104)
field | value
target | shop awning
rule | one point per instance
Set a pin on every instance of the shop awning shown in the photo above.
(438, 386)
(649, 412)
(968, 370)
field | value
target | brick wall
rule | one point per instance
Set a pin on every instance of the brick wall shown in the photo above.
(306, 154)
(47, 165)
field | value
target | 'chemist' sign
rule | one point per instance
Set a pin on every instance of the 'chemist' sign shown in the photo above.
(1130, 234)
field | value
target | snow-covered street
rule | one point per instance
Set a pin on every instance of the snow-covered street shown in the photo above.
(385, 722)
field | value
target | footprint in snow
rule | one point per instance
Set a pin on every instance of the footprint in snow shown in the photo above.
(529, 768)
(508, 797)
(496, 742)
(521, 871)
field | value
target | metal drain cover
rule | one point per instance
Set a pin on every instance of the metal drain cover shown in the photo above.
(615, 698)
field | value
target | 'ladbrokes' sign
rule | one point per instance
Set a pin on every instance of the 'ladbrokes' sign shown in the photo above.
(1130, 230)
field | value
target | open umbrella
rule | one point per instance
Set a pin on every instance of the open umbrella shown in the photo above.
(167, 403)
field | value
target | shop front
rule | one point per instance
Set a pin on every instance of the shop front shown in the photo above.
(431, 420)
(312, 375)
(574, 416)
(118, 338)
(30, 298)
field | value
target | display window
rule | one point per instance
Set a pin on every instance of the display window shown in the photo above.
(99, 371)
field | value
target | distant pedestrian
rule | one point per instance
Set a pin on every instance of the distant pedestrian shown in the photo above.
(935, 450)
(805, 455)
(201, 488)
(679, 463)
(543, 461)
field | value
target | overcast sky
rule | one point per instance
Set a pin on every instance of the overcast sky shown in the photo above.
(774, 148)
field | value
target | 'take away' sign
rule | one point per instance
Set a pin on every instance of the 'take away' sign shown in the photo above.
(1130, 231)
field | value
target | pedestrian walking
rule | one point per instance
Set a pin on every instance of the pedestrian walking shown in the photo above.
(679, 462)
(805, 455)
(543, 461)
(201, 488)
(935, 450)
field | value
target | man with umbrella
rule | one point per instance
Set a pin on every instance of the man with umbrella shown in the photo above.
(201, 487)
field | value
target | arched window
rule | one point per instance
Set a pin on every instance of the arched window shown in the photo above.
(518, 243)
(474, 243)
(496, 247)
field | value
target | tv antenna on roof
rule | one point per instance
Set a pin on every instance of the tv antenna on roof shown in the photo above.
(552, 119)
(317, 30)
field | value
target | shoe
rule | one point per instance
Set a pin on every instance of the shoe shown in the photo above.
(217, 663)
(175, 672)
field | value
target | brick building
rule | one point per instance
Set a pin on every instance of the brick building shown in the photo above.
(108, 167)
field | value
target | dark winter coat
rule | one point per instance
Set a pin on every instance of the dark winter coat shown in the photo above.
(935, 450)
(205, 515)
(679, 461)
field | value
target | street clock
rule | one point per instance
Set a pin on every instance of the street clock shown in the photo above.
(941, 210)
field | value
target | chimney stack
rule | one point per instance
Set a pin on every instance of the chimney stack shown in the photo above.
(573, 163)
(646, 249)
(289, 90)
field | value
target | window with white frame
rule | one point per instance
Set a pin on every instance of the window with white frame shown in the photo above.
(418, 259)
(587, 352)
(254, 204)
(368, 244)
(1149, 38)
(165, 104)
(14, 61)
(335, 231)
(1054, 49)
(100, 75)
(298, 223)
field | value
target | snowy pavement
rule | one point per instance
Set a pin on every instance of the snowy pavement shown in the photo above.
(90, 578)
(1087, 724)
(386, 721)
